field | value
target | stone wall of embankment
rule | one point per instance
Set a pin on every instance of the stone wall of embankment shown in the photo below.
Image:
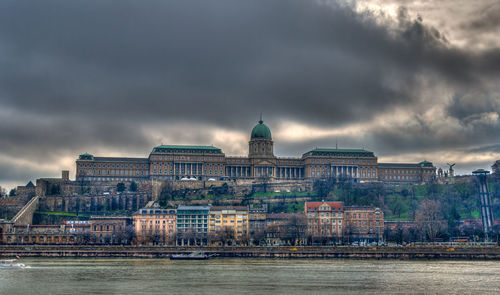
(480, 253)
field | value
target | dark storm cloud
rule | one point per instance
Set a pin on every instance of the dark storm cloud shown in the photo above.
(485, 149)
(216, 59)
(81, 76)
(465, 106)
(22, 174)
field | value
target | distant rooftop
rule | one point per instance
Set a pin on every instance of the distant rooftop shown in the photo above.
(339, 152)
(154, 211)
(120, 159)
(219, 208)
(480, 171)
(195, 149)
(182, 207)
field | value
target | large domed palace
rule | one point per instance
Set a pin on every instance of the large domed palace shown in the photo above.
(201, 163)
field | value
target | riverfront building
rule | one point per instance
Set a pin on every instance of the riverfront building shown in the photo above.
(110, 229)
(191, 162)
(233, 218)
(155, 225)
(43, 234)
(364, 223)
(192, 225)
(324, 219)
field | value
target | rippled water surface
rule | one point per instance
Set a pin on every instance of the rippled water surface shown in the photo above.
(250, 276)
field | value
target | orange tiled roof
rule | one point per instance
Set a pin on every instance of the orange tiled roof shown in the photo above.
(316, 205)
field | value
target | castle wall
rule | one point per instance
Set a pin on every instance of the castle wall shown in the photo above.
(94, 204)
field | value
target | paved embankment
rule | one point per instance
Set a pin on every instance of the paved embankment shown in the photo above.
(256, 252)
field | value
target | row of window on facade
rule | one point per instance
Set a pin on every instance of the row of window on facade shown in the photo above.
(117, 172)
(88, 165)
(230, 221)
(177, 165)
(105, 227)
(170, 228)
(165, 171)
(326, 220)
(199, 158)
(323, 173)
(156, 221)
(108, 178)
(400, 177)
(343, 161)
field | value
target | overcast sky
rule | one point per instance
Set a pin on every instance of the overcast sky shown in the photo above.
(408, 80)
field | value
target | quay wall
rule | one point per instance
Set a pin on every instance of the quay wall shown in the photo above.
(405, 253)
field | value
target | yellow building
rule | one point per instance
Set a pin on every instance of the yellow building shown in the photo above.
(228, 225)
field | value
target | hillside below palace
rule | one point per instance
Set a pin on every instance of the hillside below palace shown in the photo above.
(189, 162)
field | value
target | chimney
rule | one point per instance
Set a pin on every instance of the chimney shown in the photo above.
(65, 175)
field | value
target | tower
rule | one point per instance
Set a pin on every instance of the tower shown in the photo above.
(261, 142)
(260, 152)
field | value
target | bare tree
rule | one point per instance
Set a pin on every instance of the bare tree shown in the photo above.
(225, 235)
(429, 219)
(188, 237)
(348, 231)
(212, 238)
(125, 235)
(258, 237)
(293, 231)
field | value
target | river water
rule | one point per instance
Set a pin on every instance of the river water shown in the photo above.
(250, 276)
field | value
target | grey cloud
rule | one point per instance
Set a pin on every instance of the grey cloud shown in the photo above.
(485, 149)
(467, 105)
(171, 59)
(83, 75)
(485, 20)
(10, 173)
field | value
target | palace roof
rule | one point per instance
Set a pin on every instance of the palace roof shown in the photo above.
(120, 159)
(400, 165)
(187, 149)
(339, 152)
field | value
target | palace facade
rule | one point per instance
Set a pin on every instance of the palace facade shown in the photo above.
(189, 162)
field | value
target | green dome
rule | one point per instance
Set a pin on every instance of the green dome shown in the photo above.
(261, 131)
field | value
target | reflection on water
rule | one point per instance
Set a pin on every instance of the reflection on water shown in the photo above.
(250, 276)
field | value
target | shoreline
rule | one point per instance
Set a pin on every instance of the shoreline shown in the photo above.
(326, 252)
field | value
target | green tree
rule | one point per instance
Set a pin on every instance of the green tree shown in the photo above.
(133, 186)
(120, 187)
(12, 192)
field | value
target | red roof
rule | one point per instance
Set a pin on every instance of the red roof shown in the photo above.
(315, 205)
